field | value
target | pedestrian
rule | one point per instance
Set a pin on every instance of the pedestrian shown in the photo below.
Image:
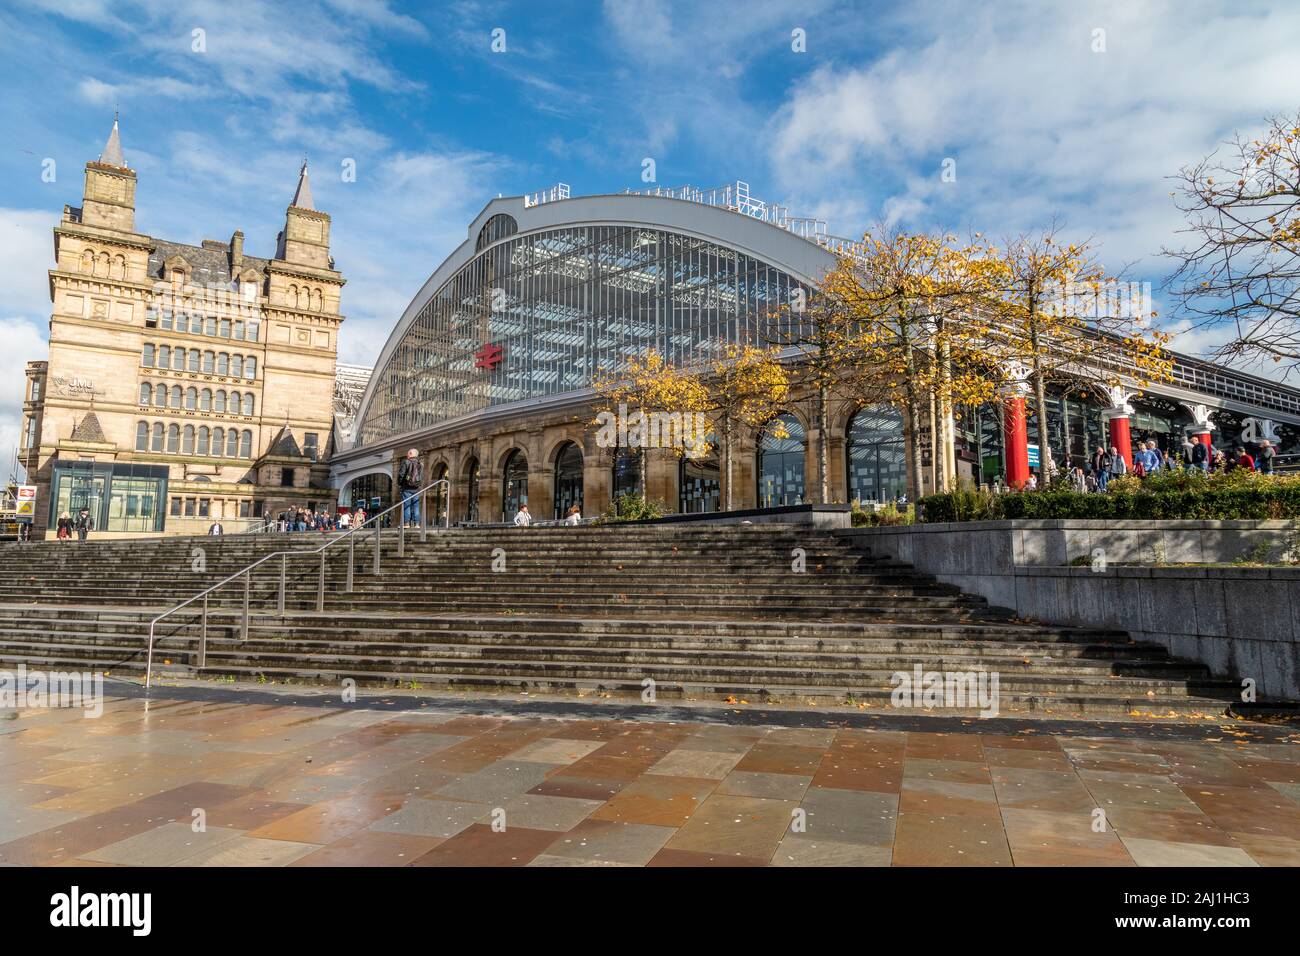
(216, 528)
(522, 518)
(1189, 453)
(1267, 453)
(65, 527)
(84, 524)
(1078, 479)
(1101, 463)
(1202, 455)
(410, 478)
(574, 517)
(1118, 463)
(1220, 462)
(1244, 460)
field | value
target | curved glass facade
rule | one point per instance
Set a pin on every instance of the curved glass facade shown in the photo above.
(538, 314)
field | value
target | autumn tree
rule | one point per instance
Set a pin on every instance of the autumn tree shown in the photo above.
(746, 387)
(1240, 268)
(811, 331)
(916, 330)
(1056, 312)
(656, 396)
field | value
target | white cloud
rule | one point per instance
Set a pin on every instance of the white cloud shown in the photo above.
(1037, 122)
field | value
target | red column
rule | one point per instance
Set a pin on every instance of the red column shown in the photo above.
(1121, 439)
(1015, 442)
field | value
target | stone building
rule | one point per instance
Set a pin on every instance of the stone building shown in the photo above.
(185, 383)
(488, 371)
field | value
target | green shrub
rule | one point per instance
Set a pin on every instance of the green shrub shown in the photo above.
(889, 515)
(1168, 495)
(632, 507)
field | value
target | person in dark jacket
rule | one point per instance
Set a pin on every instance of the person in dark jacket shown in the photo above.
(410, 476)
(1101, 467)
(1202, 455)
(84, 524)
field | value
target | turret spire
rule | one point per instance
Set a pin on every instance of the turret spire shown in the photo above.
(302, 195)
(112, 154)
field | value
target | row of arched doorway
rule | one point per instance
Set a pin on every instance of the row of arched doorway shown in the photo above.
(876, 470)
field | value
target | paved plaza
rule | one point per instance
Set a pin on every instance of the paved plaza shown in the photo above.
(247, 777)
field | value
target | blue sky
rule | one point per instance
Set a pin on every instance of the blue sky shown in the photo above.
(854, 130)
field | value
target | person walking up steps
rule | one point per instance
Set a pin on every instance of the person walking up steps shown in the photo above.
(410, 476)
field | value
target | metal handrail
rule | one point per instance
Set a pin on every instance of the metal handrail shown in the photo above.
(246, 573)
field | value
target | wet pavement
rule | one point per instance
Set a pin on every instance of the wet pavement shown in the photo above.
(203, 775)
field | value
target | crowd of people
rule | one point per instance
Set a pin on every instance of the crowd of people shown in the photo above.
(309, 519)
(1149, 459)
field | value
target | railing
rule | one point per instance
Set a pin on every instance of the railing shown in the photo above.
(247, 573)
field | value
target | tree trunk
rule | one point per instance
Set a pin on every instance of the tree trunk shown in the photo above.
(914, 487)
(823, 455)
(946, 459)
(934, 443)
(1040, 399)
(726, 452)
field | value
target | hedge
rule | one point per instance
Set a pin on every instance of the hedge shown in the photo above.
(1219, 497)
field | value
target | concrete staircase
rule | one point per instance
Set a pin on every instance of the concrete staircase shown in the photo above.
(708, 612)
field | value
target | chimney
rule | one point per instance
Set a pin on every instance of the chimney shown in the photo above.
(236, 251)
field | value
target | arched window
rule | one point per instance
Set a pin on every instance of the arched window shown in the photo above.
(205, 400)
(250, 367)
(246, 444)
(223, 363)
(225, 329)
(187, 440)
(218, 441)
(194, 360)
(191, 398)
(235, 399)
(146, 356)
(173, 438)
(220, 404)
(568, 479)
(471, 473)
(627, 472)
(160, 395)
(176, 397)
(232, 443)
(438, 498)
(164, 356)
(178, 359)
(142, 436)
(236, 366)
(157, 437)
(498, 227)
(119, 267)
(780, 463)
(209, 361)
(248, 403)
(205, 440)
(146, 393)
(699, 485)
(877, 464)
(88, 262)
(514, 484)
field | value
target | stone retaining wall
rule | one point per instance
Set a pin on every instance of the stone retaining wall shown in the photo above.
(1240, 621)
